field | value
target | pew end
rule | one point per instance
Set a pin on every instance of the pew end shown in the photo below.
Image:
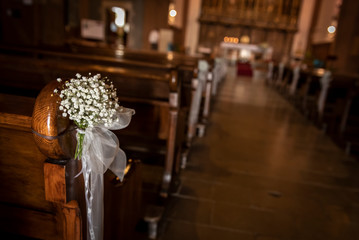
(40, 198)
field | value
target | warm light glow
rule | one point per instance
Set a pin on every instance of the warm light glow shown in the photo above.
(126, 28)
(173, 13)
(119, 52)
(120, 16)
(320, 71)
(245, 39)
(245, 54)
(170, 56)
(331, 29)
(231, 40)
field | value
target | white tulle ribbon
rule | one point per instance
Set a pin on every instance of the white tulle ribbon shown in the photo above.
(101, 151)
(325, 84)
(196, 99)
(280, 73)
(295, 79)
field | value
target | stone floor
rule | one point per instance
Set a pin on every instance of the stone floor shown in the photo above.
(263, 172)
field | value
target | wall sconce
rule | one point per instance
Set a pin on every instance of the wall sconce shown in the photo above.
(173, 13)
(331, 29)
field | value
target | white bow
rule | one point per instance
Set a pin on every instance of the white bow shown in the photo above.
(101, 151)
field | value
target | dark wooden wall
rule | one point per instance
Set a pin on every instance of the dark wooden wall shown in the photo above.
(54, 22)
(321, 51)
(33, 22)
(155, 16)
(347, 38)
(274, 22)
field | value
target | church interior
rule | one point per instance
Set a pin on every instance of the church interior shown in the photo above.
(179, 119)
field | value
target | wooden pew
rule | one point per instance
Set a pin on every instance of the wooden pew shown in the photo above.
(188, 73)
(295, 86)
(337, 95)
(219, 73)
(349, 131)
(24, 210)
(185, 65)
(153, 94)
(331, 106)
(323, 105)
(144, 60)
(309, 92)
(300, 89)
(343, 96)
(280, 73)
(271, 73)
(40, 198)
(286, 81)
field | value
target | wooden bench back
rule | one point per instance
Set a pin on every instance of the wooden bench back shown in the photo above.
(159, 125)
(41, 198)
(21, 175)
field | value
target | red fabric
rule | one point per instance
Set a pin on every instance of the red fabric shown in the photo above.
(244, 69)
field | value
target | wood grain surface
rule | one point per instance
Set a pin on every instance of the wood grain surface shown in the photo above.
(47, 121)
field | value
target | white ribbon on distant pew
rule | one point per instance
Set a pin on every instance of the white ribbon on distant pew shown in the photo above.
(295, 79)
(325, 83)
(196, 98)
(101, 151)
(280, 73)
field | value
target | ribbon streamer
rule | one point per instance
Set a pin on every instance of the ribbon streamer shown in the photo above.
(295, 79)
(101, 151)
(196, 100)
(325, 84)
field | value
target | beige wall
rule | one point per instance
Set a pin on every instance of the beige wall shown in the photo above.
(300, 41)
(324, 19)
(192, 30)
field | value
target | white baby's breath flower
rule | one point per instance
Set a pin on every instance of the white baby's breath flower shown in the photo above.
(89, 101)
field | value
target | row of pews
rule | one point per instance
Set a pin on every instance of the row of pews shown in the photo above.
(40, 196)
(330, 100)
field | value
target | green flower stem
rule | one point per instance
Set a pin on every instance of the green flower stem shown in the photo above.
(80, 140)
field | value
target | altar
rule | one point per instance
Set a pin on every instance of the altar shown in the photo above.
(244, 56)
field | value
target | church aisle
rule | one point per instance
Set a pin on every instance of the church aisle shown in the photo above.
(263, 172)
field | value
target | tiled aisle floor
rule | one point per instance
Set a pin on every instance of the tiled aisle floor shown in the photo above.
(263, 172)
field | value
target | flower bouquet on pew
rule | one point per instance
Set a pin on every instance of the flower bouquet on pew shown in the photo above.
(91, 102)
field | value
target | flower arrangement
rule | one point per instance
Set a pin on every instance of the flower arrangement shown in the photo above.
(88, 101)
(91, 103)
